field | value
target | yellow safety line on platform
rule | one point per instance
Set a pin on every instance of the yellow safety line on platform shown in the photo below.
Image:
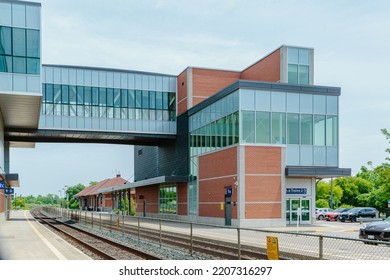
(48, 244)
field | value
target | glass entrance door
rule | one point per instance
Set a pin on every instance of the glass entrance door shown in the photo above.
(298, 209)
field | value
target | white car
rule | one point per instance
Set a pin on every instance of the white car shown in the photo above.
(320, 213)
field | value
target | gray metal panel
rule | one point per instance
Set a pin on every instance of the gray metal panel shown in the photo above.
(317, 172)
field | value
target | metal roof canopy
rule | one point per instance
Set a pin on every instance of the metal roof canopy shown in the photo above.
(147, 182)
(316, 172)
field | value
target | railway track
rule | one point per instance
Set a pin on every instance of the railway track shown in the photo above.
(103, 248)
(209, 248)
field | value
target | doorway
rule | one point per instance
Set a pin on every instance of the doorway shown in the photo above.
(298, 211)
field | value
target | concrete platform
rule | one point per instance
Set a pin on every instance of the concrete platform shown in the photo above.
(23, 238)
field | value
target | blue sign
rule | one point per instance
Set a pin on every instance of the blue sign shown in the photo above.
(2, 185)
(8, 191)
(296, 191)
(229, 191)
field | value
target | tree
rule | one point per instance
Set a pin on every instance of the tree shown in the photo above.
(71, 192)
(19, 202)
(323, 193)
(353, 187)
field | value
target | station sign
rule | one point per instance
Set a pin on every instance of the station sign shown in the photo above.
(296, 191)
(2, 185)
(9, 191)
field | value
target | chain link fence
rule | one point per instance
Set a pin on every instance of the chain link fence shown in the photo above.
(291, 245)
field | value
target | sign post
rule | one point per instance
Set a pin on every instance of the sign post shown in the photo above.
(272, 248)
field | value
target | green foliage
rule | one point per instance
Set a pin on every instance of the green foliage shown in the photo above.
(322, 203)
(324, 192)
(71, 192)
(353, 187)
(18, 203)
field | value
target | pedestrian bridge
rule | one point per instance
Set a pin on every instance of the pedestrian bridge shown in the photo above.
(99, 105)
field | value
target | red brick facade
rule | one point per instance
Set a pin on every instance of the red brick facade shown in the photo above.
(217, 171)
(263, 182)
(266, 69)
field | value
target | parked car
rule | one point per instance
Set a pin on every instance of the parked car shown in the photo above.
(358, 212)
(320, 213)
(332, 215)
(376, 230)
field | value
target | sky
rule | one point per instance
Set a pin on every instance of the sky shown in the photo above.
(351, 48)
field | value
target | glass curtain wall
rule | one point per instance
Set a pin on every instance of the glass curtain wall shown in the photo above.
(298, 65)
(301, 121)
(212, 128)
(99, 102)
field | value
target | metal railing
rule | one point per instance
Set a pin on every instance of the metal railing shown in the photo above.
(292, 245)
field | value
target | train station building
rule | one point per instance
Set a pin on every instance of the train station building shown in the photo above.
(226, 147)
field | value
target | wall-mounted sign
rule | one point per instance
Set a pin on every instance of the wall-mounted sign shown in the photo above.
(8, 191)
(296, 191)
(2, 185)
(229, 191)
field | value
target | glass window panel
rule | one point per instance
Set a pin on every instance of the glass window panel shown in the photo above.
(292, 129)
(293, 74)
(152, 100)
(306, 129)
(145, 99)
(247, 99)
(5, 13)
(117, 97)
(293, 55)
(110, 112)
(331, 131)
(332, 105)
(131, 99)
(319, 130)
(64, 94)
(87, 95)
(80, 95)
(278, 128)
(152, 115)
(65, 110)
(159, 100)
(95, 96)
(88, 111)
(263, 124)
(33, 66)
(72, 94)
(236, 127)
(278, 101)
(95, 111)
(124, 97)
(165, 100)
(263, 100)
(102, 97)
(80, 110)
(303, 75)
(19, 15)
(304, 56)
(49, 96)
(5, 40)
(57, 93)
(72, 110)
(19, 41)
(110, 97)
(138, 99)
(49, 109)
(117, 113)
(172, 101)
(19, 65)
(124, 113)
(33, 43)
(248, 127)
(6, 64)
(292, 102)
(33, 17)
(319, 104)
(102, 112)
(306, 103)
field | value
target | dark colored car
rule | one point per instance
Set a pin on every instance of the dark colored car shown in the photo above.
(332, 215)
(376, 230)
(358, 212)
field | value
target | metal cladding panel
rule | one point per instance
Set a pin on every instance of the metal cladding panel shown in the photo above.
(168, 159)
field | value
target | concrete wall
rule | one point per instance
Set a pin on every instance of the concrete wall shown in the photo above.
(2, 202)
